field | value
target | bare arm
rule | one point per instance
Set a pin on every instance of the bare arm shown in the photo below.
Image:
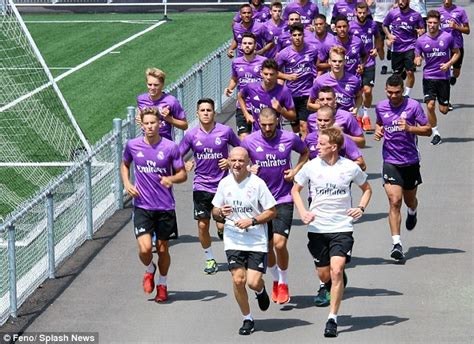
(180, 176)
(231, 86)
(305, 215)
(125, 174)
(364, 201)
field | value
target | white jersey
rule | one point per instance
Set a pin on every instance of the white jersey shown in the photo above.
(382, 7)
(331, 190)
(248, 198)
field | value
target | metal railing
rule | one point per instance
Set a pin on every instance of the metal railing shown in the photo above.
(43, 232)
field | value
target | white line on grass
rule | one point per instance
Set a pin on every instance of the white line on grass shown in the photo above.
(123, 21)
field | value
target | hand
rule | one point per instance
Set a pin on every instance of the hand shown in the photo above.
(276, 105)
(165, 113)
(373, 52)
(403, 125)
(226, 210)
(253, 169)
(360, 69)
(132, 190)
(390, 40)
(166, 181)
(230, 54)
(307, 217)
(228, 92)
(289, 175)
(243, 223)
(417, 61)
(249, 118)
(293, 77)
(356, 213)
(445, 66)
(223, 164)
(189, 165)
(378, 134)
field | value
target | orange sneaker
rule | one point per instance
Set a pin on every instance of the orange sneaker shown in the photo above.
(149, 282)
(366, 125)
(161, 293)
(275, 292)
(359, 121)
(283, 294)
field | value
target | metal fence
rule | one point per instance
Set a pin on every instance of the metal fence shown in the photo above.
(36, 238)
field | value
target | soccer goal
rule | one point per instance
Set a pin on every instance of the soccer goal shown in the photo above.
(39, 136)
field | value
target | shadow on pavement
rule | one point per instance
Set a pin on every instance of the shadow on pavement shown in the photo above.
(351, 292)
(299, 302)
(457, 139)
(274, 325)
(418, 251)
(365, 323)
(355, 261)
(370, 217)
(373, 176)
(203, 295)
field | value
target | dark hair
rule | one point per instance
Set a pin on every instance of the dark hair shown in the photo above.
(206, 100)
(326, 89)
(320, 16)
(294, 12)
(270, 64)
(276, 4)
(296, 27)
(394, 80)
(362, 5)
(433, 14)
(243, 6)
(340, 17)
(249, 35)
(261, 1)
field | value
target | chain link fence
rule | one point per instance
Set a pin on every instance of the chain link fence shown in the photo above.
(43, 232)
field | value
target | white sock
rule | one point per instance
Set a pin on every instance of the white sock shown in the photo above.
(208, 253)
(261, 291)
(162, 280)
(151, 268)
(274, 271)
(412, 211)
(407, 91)
(332, 316)
(435, 131)
(396, 239)
(248, 317)
(283, 276)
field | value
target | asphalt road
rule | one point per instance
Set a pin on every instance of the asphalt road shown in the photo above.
(427, 299)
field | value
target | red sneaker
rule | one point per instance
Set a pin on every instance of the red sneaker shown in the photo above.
(359, 121)
(366, 125)
(275, 292)
(161, 293)
(283, 294)
(149, 282)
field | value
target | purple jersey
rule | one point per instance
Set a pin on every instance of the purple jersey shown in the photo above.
(151, 162)
(348, 150)
(324, 45)
(166, 100)
(257, 99)
(208, 149)
(273, 158)
(435, 51)
(247, 72)
(367, 33)
(263, 37)
(403, 26)
(284, 40)
(346, 89)
(301, 62)
(400, 147)
(347, 9)
(343, 119)
(274, 31)
(355, 49)
(307, 12)
(260, 15)
(459, 16)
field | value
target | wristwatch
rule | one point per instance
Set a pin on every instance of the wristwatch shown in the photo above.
(361, 208)
(254, 221)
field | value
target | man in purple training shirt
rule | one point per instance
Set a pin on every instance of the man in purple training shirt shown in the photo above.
(245, 70)
(157, 166)
(270, 150)
(402, 26)
(268, 93)
(399, 121)
(260, 12)
(307, 10)
(209, 142)
(440, 53)
(323, 41)
(274, 26)
(298, 66)
(285, 40)
(345, 8)
(170, 111)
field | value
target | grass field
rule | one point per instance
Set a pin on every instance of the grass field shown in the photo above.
(101, 90)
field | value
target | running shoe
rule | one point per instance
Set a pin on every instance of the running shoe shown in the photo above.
(331, 328)
(247, 328)
(359, 122)
(410, 222)
(450, 107)
(211, 267)
(283, 294)
(344, 277)
(275, 292)
(366, 125)
(161, 293)
(149, 281)
(263, 300)
(384, 70)
(452, 80)
(397, 252)
(436, 140)
(323, 298)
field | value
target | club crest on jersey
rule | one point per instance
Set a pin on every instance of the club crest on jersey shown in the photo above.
(441, 43)
(160, 155)
(403, 115)
(281, 147)
(218, 141)
(347, 87)
(256, 68)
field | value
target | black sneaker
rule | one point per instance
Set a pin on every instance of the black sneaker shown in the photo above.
(436, 140)
(331, 329)
(450, 107)
(322, 298)
(389, 54)
(397, 252)
(452, 80)
(410, 223)
(247, 328)
(263, 300)
(344, 277)
(384, 70)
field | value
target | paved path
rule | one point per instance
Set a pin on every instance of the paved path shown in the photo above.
(428, 299)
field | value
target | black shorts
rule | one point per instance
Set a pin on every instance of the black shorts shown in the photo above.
(368, 77)
(408, 177)
(242, 125)
(161, 222)
(323, 246)
(458, 63)
(403, 61)
(203, 205)
(436, 89)
(301, 109)
(281, 224)
(246, 259)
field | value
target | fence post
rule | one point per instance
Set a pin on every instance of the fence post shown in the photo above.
(50, 233)
(12, 269)
(118, 159)
(219, 83)
(200, 87)
(88, 191)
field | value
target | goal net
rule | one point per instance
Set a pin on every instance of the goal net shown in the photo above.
(38, 133)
